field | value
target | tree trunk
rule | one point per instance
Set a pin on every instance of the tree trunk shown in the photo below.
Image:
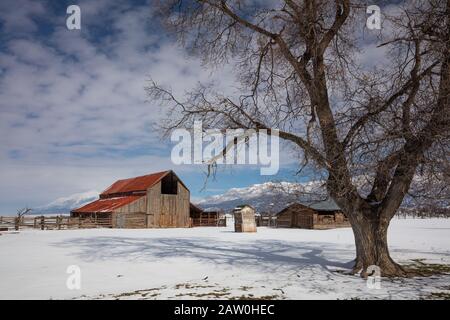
(372, 247)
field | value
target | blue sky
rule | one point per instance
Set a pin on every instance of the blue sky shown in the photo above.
(73, 112)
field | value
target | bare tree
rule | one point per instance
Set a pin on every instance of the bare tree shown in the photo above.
(371, 130)
(20, 214)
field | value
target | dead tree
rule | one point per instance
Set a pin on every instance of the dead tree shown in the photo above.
(20, 214)
(371, 130)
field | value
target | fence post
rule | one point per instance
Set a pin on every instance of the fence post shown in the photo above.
(35, 223)
(58, 222)
(16, 223)
(42, 222)
(79, 222)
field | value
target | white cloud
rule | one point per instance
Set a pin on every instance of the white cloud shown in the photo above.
(73, 110)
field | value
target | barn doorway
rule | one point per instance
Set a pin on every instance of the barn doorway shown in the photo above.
(169, 184)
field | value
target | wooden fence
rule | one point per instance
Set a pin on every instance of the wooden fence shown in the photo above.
(266, 221)
(208, 222)
(53, 223)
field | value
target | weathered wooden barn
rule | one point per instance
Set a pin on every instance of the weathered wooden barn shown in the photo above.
(318, 215)
(244, 219)
(158, 200)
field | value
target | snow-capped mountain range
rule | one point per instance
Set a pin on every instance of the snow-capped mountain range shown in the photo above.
(65, 204)
(269, 196)
(265, 197)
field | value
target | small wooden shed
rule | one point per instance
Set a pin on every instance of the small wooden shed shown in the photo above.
(244, 219)
(316, 215)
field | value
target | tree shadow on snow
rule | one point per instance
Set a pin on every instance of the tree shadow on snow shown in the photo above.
(267, 255)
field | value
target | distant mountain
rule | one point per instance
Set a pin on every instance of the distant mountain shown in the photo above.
(273, 197)
(65, 204)
(265, 197)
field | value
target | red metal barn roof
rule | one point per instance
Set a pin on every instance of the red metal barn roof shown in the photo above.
(141, 183)
(106, 205)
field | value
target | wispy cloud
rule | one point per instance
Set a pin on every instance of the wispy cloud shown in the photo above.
(73, 110)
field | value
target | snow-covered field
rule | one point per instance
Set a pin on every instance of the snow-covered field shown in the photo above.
(204, 263)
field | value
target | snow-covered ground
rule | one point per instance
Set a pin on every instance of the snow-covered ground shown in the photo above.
(203, 263)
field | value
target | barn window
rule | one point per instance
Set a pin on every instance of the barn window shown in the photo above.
(169, 184)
